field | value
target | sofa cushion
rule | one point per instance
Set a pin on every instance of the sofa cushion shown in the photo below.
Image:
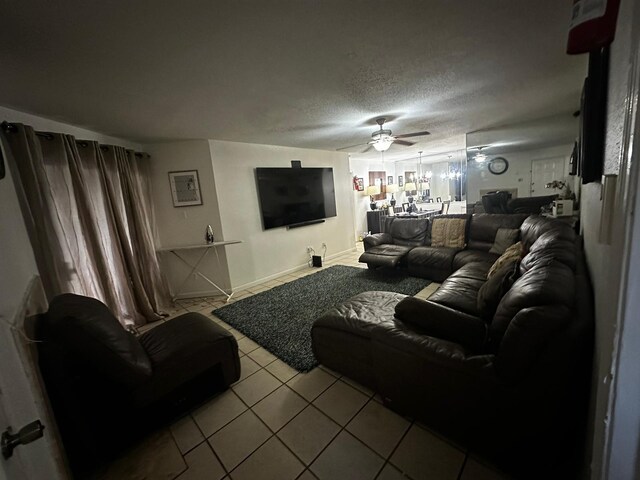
(513, 253)
(505, 237)
(386, 255)
(483, 228)
(87, 327)
(473, 256)
(493, 290)
(535, 225)
(529, 330)
(546, 285)
(460, 290)
(448, 232)
(434, 263)
(408, 231)
(550, 246)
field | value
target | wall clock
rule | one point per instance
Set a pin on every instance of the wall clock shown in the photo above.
(498, 165)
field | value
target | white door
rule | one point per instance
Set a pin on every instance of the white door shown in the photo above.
(544, 171)
(21, 398)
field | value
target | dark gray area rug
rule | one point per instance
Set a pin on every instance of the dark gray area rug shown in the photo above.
(280, 319)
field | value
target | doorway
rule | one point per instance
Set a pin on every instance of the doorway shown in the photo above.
(544, 171)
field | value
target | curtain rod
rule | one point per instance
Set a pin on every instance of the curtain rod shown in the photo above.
(11, 127)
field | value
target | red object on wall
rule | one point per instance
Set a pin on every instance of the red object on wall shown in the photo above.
(593, 25)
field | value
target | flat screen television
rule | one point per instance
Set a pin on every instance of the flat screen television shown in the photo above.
(295, 196)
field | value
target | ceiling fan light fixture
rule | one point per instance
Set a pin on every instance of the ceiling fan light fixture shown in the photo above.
(480, 157)
(383, 143)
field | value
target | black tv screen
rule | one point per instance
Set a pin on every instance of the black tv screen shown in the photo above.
(290, 196)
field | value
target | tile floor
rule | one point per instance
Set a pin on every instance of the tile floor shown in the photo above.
(276, 423)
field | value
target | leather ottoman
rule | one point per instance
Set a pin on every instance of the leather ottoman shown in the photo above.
(341, 338)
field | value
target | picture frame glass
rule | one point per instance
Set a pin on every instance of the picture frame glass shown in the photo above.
(185, 188)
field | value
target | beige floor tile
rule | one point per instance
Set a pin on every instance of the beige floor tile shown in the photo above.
(367, 391)
(247, 345)
(328, 370)
(259, 288)
(186, 434)
(254, 388)
(379, 428)
(422, 455)
(236, 334)
(218, 412)
(311, 384)
(279, 407)
(308, 433)
(239, 439)
(272, 461)
(262, 357)
(202, 465)
(157, 456)
(281, 370)
(240, 294)
(474, 470)
(247, 367)
(307, 475)
(341, 402)
(389, 472)
(347, 457)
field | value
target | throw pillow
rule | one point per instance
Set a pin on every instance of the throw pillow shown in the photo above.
(505, 237)
(448, 232)
(495, 288)
(511, 254)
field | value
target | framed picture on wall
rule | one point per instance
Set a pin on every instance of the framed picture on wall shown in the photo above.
(400, 181)
(390, 180)
(185, 188)
(360, 184)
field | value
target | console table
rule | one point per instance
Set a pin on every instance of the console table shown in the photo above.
(206, 248)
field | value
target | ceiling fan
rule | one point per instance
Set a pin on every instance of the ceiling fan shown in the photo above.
(382, 138)
(480, 156)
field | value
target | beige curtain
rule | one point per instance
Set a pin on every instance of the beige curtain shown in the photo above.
(89, 217)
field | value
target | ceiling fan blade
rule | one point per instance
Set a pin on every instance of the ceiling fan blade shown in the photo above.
(350, 146)
(404, 142)
(368, 149)
(415, 134)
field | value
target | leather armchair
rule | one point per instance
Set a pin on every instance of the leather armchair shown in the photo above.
(108, 387)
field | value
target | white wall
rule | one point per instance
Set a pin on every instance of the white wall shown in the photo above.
(518, 175)
(181, 226)
(267, 253)
(616, 408)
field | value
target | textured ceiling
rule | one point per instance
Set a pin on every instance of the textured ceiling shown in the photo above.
(301, 73)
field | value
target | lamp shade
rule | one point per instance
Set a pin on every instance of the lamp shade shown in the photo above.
(373, 190)
(409, 187)
(393, 188)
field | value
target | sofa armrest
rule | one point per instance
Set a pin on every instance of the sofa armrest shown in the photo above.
(443, 322)
(376, 239)
(422, 349)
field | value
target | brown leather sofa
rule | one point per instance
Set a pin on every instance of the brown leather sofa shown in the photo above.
(512, 386)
